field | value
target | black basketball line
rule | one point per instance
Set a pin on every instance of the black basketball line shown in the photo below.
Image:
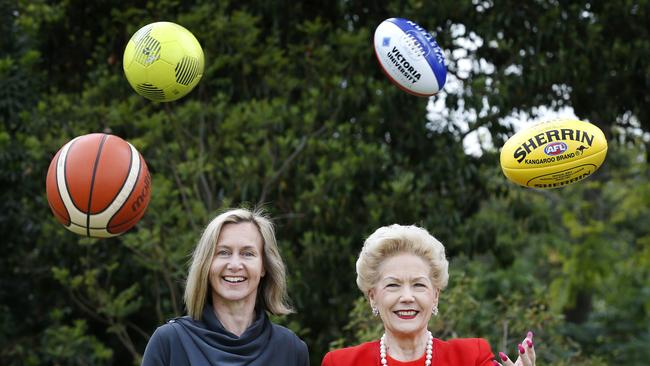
(92, 183)
(56, 182)
(82, 226)
(59, 213)
(65, 178)
(125, 224)
(121, 186)
(131, 192)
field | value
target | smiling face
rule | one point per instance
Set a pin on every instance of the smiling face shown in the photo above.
(404, 294)
(237, 266)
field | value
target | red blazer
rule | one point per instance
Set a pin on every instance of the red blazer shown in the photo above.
(455, 352)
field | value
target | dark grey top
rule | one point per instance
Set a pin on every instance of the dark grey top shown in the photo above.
(184, 341)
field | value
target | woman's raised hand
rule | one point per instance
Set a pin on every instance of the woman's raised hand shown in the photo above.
(526, 353)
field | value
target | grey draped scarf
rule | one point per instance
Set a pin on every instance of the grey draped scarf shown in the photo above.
(184, 341)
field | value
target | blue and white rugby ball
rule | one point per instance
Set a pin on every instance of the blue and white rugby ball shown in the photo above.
(410, 57)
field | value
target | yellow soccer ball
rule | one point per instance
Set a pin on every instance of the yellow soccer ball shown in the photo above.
(163, 61)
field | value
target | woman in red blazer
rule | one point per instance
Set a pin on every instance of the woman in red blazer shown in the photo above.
(401, 271)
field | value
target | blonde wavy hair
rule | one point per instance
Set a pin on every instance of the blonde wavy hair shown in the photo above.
(388, 241)
(272, 291)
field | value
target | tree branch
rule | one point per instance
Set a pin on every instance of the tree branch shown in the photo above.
(184, 199)
(283, 168)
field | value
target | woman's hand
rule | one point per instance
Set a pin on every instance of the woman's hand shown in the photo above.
(526, 353)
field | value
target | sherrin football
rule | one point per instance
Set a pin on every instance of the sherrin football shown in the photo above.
(410, 57)
(553, 154)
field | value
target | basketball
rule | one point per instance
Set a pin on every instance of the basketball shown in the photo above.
(98, 185)
(553, 154)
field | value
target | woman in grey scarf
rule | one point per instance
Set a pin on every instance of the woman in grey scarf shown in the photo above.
(236, 277)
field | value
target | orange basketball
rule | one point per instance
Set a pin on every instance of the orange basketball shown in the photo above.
(98, 185)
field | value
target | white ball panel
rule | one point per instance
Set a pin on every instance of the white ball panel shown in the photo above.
(102, 219)
(405, 66)
(76, 216)
(79, 220)
(101, 233)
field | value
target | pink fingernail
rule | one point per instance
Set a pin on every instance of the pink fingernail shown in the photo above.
(503, 356)
(530, 334)
(494, 363)
(521, 349)
(529, 343)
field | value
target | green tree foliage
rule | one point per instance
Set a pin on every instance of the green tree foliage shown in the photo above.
(293, 113)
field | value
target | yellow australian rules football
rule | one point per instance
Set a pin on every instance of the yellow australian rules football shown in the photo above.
(553, 154)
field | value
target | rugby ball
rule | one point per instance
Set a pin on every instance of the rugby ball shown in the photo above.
(410, 57)
(553, 154)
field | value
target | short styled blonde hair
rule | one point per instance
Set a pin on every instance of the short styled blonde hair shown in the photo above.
(272, 291)
(388, 241)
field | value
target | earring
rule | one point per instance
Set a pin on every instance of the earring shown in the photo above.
(434, 310)
(375, 311)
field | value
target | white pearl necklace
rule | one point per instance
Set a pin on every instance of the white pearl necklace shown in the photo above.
(429, 351)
